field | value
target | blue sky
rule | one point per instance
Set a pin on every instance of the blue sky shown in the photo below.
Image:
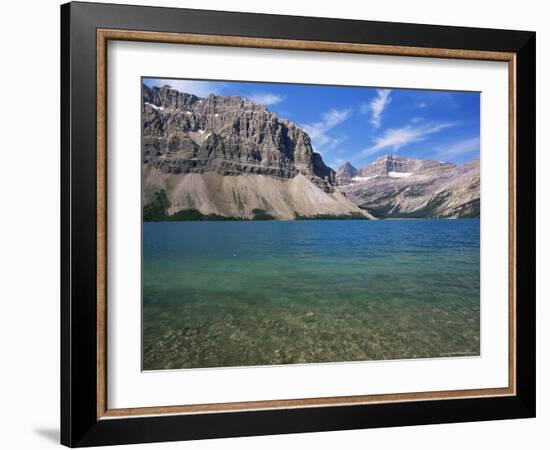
(359, 124)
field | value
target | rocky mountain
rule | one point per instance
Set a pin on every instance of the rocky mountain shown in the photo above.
(346, 174)
(224, 156)
(386, 166)
(399, 187)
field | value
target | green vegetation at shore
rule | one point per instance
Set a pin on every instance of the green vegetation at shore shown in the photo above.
(157, 211)
(195, 215)
(261, 214)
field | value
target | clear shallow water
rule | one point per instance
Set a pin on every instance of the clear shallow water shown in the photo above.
(221, 294)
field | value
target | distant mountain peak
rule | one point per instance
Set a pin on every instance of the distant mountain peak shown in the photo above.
(393, 166)
(346, 171)
(417, 189)
(384, 157)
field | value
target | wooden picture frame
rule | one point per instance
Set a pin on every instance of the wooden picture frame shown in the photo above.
(86, 418)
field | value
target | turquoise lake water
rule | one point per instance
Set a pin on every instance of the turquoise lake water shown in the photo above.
(219, 294)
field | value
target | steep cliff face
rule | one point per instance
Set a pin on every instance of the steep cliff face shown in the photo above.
(398, 187)
(226, 155)
(229, 135)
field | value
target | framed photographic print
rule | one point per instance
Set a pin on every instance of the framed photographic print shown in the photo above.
(277, 224)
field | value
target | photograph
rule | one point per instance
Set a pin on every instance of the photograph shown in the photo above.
(301, 224)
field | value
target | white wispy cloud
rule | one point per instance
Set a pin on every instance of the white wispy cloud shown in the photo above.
(459, 148)
(318, 131)
(395, 138)
(198, 88)
(438, 99)
(265, 98)
(377, 106)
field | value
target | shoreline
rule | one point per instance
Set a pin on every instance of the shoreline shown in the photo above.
(389, 219)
